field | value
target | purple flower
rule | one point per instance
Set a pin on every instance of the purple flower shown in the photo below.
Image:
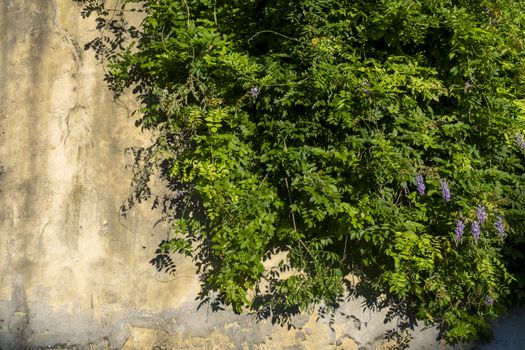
(420, 184)
(460, 226)
(520, 142)
(500, 227)
(255, 92)
(476, 231)
(445, 191)
(481, 213)
(489, 301)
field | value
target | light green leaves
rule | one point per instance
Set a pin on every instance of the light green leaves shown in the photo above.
(354, 99)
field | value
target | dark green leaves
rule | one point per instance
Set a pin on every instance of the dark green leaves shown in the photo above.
(303, 127)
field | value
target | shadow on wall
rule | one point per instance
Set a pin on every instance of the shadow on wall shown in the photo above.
(114, 29)
(115, 32)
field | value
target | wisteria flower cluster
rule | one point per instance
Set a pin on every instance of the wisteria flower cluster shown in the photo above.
(500, 227)
(475, 228)
(420, 184)
(445, 191)
(255, 92)
(481, 212)
(482, 216)
(460, 227)
(421, 188)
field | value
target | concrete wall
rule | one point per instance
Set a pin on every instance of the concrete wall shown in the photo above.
(74, 273)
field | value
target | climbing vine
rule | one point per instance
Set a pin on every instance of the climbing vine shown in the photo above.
(381, 139)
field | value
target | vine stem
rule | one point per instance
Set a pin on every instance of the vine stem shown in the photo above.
(187, 12)
(293, 214)
(264, 179)
(290, 198)
(273, 32)
(215, 12)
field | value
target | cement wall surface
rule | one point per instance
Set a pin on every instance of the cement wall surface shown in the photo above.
(74, 273)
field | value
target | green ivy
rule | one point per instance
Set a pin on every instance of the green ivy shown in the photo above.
(335, 131)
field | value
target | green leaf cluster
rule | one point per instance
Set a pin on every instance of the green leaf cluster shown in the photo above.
(300, 127)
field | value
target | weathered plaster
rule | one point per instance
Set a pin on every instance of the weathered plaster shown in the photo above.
(73, 272)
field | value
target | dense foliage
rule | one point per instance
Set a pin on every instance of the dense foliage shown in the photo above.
(378, 138)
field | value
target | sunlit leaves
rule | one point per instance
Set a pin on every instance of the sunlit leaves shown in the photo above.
(305, 125)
